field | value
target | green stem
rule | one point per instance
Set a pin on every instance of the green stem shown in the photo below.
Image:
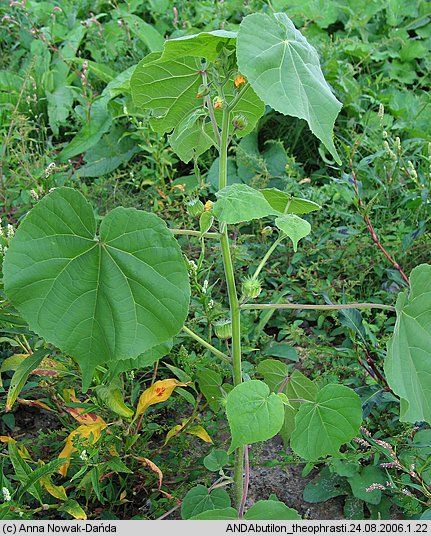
(267, 255)
(317, 307)
(206, 344)
(189, 232)
(233, 301)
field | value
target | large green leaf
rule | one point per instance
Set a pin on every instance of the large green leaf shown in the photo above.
(200, 499)
(254, 414)
(274, 372)
(284, 70)
(408, 362)
(361, 481)
(192, 137)
(168, 88)
(203, 45)
(271, 510)
(287, 204)
(239, 202)
(327, 423)
(294, 226)
(99, 297)
(298, 389)
(217, 514)
(145, 360)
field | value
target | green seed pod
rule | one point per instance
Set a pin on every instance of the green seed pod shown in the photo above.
(239, 122)
(195, 207)
(223, 328)
(251, 288)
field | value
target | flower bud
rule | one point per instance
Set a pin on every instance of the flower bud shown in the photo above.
(195, 207)
(218, 103)
(251, 288)
(223, 328)
(203, 90)
(267, 231)
(209, 206)
(239, 122)
(239, 80)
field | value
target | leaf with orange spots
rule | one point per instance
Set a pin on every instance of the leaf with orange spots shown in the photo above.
(200, 432)
(89, 433)
(158, 392)
(83, 416)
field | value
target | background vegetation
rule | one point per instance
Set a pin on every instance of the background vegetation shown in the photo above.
(67, 118)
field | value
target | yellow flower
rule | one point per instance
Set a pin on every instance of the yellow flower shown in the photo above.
(239, 80)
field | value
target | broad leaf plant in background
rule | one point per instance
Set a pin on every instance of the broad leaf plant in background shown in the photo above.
(114, 293)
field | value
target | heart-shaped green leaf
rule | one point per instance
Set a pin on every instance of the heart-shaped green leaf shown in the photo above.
(203, 45)
(294, 226)
(239, 202)
(168, 88)
(408, 362)
(200, 499)
(254, 414)
(99, 297)
(287, 204)
(299, 389)
(268, 510)
(327, 423)
(284, 70)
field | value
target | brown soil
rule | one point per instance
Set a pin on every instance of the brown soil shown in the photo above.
(286, 482)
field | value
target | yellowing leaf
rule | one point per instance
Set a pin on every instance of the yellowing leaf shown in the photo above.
(158, 392)
(56, 491)
(69, 395)
(173, 432)
(84, 417)
(34, 403)
(6, 439)
(153, 468)
(85, 432)
(200, 432)
(123, 495)
(73, 508)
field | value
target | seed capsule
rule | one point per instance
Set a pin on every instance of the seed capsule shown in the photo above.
(251, 288)
(223, 329)
(195, 207)
(239, 122)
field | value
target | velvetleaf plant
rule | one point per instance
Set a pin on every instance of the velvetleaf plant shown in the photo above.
(116, 295)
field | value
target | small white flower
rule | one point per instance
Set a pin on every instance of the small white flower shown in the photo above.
(205, 286)
(20, 514)
(132, 374)
(6, 494)
(192, 266)
(84, 456)
(210, 304)
(34, 195)
(10, 231)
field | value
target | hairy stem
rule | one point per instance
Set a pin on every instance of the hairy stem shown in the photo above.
(189, 232)
(246, 484)
(233, 302)
(317, 307)
(267, 255)
(207, 345)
